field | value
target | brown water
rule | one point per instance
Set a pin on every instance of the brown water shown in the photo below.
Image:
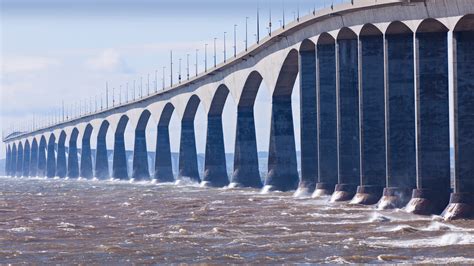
(84, 221)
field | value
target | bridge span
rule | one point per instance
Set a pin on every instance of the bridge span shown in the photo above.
(375, 100)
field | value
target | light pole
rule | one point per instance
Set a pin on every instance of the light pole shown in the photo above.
(179, 72)
(205, 57)
(134, 90)
(235, 40)
(106, 95)
(156, 81)
(196, 65)
(246, 33)
(225, 55)
(215, 55)
(127, 93)
(163, 78)
(187, 66)
(171, 68)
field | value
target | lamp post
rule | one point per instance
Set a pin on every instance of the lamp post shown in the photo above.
(246, 33)
(205, 57)
(225, 55)
(235, 40)
(196, 65)
(215, 55)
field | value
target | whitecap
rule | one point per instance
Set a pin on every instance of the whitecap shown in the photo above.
(448, 239)
(19, 229)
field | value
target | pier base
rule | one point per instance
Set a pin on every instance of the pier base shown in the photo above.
(461, 206)
(323, 189)
(426, 202)
(394, 197)
(343, 192)
(367, 195)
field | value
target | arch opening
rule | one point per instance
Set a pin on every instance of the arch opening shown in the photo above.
(86, 153)
(42, 157)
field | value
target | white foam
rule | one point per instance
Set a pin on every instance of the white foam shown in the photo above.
(448, 239)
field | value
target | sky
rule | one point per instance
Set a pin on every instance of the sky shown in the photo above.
(55, 51)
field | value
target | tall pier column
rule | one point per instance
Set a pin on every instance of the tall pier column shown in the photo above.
(461, 204)
(372, 115)
(140, 153)
(327, 115)
(282, 168)
(51, 158)
(163, 165)
(61, 167)
(86, 156)
(8, 161)
(433, 162)
(308, 116)
(34, 158)
(102, 160)
(187, 151)
(14, 159)
(19, 160)
(26, 159)
(119, 165)
(400, 106)
(215, 169)
(42, 157)
(348, 116)
(72, 159)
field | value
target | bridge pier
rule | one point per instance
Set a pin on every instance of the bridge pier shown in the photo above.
(86, 158)
(34, 158)
(7, 160)
(433, 158)
(14, 159)
(188, 166)
(327, 116)
(51, 158)
(26, 159)
(140, 157)
(120, 159)
(102, 159)
(372, 115)
(72, 159)
(246, 173)
(42, 158)
(348, 117)
(19, 161)
(400, 106)
(309, 118)
(461, 203)
(215, 170)
(163, 164)
(61, 168)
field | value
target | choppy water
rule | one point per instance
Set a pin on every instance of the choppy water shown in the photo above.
(86, 221)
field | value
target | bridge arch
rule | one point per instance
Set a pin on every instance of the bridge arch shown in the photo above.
(72, 160)
(188, 165)
(34, 158)
(431, 25)
(102, 162)
(120, 169)
(140, 153)
(19, 160)
(398, 27)
(51, 157)
(61, 167)
(163, 160)
(26, 158)
(215, 169)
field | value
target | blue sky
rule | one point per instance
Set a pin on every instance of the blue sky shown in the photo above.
(65, 50)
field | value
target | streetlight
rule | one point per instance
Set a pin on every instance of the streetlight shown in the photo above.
(235, 40)
(225, 56)
(179, 72)
(215, 56)
(205, 57)
(187, 66)
(196, 65)
(246, 33)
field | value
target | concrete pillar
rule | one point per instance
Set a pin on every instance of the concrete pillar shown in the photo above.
(26, 160)
(34, 159)
(163, 165)
(86, 158)
(19, 161)
(188, 166)
(400, 106)
(140, 156)
(120, 158)
(215, 170)
(433, 158)
(309, 120)
(246, 173)
(13, 162)
(7, 161)
(102, 161)
(42, 158)
(282, 169)
(51, 158)
(372, 120)
(348, 120)
(72, 160)
(461, 204)
(327, 117)
(61, 168)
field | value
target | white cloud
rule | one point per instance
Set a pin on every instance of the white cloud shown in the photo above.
(108, 60)
(27, 64)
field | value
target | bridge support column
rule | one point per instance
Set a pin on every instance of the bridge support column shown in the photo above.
(215, 170)
(309, 120)
(34, 159)
(72, 160)
(42, 159)
(461, 204)
(282, 168)
(140, 157)
(26, 160)
(246, 173)
(120, 158)
(163, 165)
(61, 168)
(7, 160)
(86, 158)
(188, 166)
(372, 124)
(326, 75)
(51, 158)
(102, 159)
(433, 173)
(348, 120)
(19, 161)
(400, 106)
(14, 159)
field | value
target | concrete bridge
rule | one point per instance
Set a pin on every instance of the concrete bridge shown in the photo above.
(375, 80)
